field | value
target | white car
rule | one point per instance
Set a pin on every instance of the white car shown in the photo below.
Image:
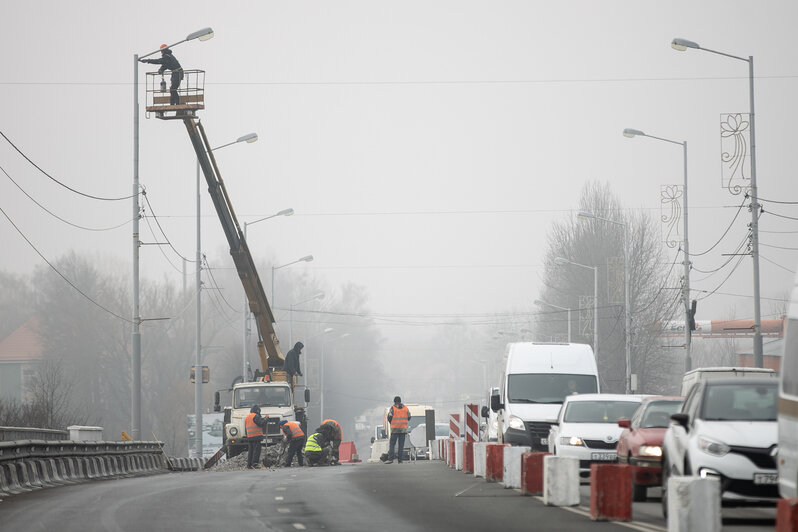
(727, 429)
(587, 427)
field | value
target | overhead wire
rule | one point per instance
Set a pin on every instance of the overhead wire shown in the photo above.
(739, 209)
(59, 182)
(776, 264)
(155, 217)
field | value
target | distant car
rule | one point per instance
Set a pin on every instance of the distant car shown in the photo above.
(726, 429)
(640, 443)
(587, 427)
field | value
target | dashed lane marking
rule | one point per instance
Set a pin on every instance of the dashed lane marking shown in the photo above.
(299, 526)
(284, 510)
(279, 498)
(281, 488)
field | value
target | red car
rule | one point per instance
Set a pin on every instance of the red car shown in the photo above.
(640, 444)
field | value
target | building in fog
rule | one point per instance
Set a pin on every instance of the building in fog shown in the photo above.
(21, 353)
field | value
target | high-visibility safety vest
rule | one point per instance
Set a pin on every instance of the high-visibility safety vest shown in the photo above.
(294, 430)
(252, 429)
(313, 444)
(337, 426)
(400, 418)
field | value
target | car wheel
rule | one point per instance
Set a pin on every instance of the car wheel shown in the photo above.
(666, 472)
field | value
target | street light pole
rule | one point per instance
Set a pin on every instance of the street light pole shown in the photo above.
(682, 45)
(561, 260)
(688, 333)
(247, 311)
(628, 315)
(135, 381)
(306, 258)
(320, 295)
(541, 302)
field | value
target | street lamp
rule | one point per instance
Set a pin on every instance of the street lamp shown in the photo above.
(320, 295)
(688, 363)
(247, 312)
(628, 316)
(544, 303)
(249, 138)
(682, 45)
(306, 258)
(135, 385)
(561, 261)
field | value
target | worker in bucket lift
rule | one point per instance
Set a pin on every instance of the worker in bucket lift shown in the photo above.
(399, 417)
(294, 437)
(169, 62)
(254, 424)
(313, 449)
(332, 431)
(291, 365)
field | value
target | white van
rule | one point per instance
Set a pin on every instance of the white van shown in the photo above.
(788, 404)
(702, 374)
(536, 379)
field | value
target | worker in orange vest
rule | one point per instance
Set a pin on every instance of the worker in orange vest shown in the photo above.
(399, 417)
(254, 424)
(332, 431)
(294, 436)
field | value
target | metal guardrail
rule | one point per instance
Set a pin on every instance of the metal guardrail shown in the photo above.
(28, 433)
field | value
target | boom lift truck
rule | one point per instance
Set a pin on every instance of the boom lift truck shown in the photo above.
(270, 388)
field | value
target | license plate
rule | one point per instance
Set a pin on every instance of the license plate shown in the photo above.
(603, 457)
(766, 478)
(544, 441)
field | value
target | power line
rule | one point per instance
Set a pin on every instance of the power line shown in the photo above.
(168, 242)
(777, 247)
(70, 283)
(782, 215)
(740, 208)
(216, 285)
(777, 201)
(777, 264)
(724, 280)
(56, 180)
(731, 258)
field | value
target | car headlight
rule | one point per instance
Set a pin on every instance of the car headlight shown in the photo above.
(233, 431)
(576, 441)
(651, 450)
(516, 423)
(710, 446)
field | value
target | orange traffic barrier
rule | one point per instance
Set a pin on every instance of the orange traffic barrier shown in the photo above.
(611, 492)
(347, 453)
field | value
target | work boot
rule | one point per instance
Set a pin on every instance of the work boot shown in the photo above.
(388, 462)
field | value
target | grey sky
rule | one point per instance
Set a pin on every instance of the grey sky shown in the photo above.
(425, 146)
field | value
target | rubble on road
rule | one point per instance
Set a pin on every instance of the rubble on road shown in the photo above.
(271, 457)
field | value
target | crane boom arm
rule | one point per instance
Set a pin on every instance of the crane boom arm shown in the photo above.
(256, 296)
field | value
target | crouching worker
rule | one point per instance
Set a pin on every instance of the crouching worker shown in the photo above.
(333, 433)
(313, 449)
(294, 437)
(254, 425)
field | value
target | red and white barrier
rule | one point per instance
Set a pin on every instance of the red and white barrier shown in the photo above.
(494, 462)
(532, 473)
(468, 457)
(454, 425)
(450, 456)
(458, 455)
(511, 477)
(561, 481)
(787, 515)
(480, 458)
(471, 423)
(611, 492)
(694, 504)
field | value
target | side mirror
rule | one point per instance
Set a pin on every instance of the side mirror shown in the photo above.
(681, 418)
(625, 423)
(495, 404)
(307, 395)
(485, 412)
(217, 406)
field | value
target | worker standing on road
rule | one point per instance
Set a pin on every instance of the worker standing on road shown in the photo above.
(254, 425)
(295, 438)
(332, 431)
(169, 62)
(313, 448)
(291, 366)
(399, 417)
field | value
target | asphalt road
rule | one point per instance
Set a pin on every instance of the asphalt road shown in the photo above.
(420, 496)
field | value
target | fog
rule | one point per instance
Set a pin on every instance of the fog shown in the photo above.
(425, 147)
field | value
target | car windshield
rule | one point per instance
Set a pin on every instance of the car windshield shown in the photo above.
(262, 396)
(740, 402)
(658, 414)
(547, 388)
(599, 411)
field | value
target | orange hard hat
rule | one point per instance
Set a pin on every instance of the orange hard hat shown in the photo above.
(164, 46)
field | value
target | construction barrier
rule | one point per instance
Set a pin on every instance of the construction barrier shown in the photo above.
(560, 481)
(494, 462)
(480, 458)
(450, 456)
(468, 457)
(347, 453)
(458, 455)
(532, 473)
(511, 476)
(454, 425)
(434, 454)
(471, 424)
(611, 492)
(693, 504)
(787, 515)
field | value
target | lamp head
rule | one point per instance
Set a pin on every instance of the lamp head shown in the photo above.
(560, 260)
(286, 212)
(585, 214)
(539, 302)
(204, 34)
(683, 44)
(632, 133)
(320, 295)
(250, 138)
(307, 258)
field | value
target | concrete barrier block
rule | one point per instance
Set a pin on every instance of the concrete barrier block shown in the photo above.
(560, 481)
(468, 457)
(693, 504)
(9, 483)
(458, 455)
(494, 462)
(787, 515)
(611, 492)
(532, 473)
(511, 477)
(450, 453)
(480, 457)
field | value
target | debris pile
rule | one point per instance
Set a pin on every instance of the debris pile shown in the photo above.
(270, 457)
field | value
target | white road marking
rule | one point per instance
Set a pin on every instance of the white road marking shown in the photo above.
(465, 490)
(282, 488)
(284, 510)
(299, 526)
(279, 498)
